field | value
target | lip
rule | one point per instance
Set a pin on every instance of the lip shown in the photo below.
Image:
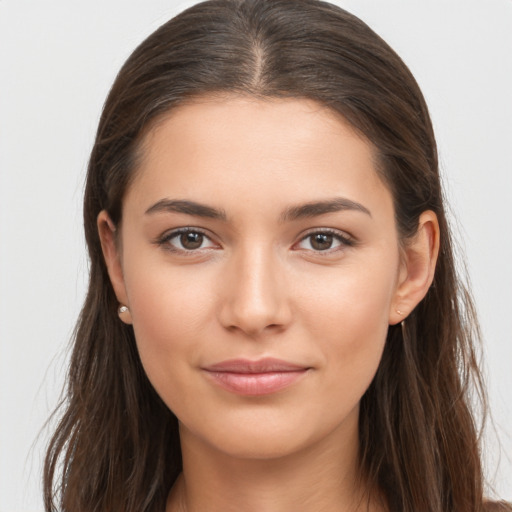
(254, 378)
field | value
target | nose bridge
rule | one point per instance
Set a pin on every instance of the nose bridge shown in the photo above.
(256, 298)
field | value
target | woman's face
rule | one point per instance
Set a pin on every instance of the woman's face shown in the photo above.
(260, 262)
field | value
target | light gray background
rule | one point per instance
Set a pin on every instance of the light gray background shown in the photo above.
(57, 61)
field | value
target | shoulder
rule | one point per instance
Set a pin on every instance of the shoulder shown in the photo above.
(497, 506)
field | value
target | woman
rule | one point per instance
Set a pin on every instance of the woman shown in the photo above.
(273, 319)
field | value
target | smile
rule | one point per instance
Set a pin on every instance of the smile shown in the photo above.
(254, 378)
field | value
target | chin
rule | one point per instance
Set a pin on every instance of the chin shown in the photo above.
(260, 445)
(273, 436)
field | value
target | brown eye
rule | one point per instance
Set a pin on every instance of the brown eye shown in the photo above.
(325, 241)
(187, 240)
(321, 241)
(191, 240)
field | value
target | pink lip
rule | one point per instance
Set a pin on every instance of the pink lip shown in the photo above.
(253, 378)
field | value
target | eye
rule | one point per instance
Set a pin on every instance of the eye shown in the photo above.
(320, 241)
(187, 240)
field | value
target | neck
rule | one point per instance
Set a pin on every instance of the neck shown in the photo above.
(323, 477)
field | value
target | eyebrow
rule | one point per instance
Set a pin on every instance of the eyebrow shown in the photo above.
(292, 213)
(187, 207)
(316, 208)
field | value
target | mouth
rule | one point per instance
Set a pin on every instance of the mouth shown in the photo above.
(255, 378)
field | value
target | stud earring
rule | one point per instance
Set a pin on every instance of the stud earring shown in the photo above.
(122, 309)
(399, 312)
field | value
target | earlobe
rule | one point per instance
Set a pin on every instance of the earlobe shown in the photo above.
(109, 246)
(418, 267)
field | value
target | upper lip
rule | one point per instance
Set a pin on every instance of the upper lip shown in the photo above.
(266, 365)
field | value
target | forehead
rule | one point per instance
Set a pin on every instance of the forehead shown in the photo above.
(249, 149)
(264, 122)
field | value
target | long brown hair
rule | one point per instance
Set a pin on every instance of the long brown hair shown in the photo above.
(116, 447)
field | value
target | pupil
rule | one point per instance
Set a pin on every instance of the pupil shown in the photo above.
(191, 240)
(322, 241)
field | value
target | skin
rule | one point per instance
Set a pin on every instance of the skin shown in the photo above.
(258, 286)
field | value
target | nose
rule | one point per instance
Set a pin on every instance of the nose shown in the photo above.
(255, 294)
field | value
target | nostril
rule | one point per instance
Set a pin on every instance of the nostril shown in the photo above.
(254, 329)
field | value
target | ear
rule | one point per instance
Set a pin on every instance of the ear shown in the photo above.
(111, 253)
(417, 269)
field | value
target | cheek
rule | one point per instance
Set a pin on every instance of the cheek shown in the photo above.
(351, 298)
(171, 312)
(348, 315)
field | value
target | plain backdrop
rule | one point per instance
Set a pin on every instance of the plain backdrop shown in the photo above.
(58, 59)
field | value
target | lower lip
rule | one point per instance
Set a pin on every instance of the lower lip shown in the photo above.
(256, 384)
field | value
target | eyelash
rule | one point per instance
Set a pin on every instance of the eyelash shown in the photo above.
(343, 239)
(164, 240)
